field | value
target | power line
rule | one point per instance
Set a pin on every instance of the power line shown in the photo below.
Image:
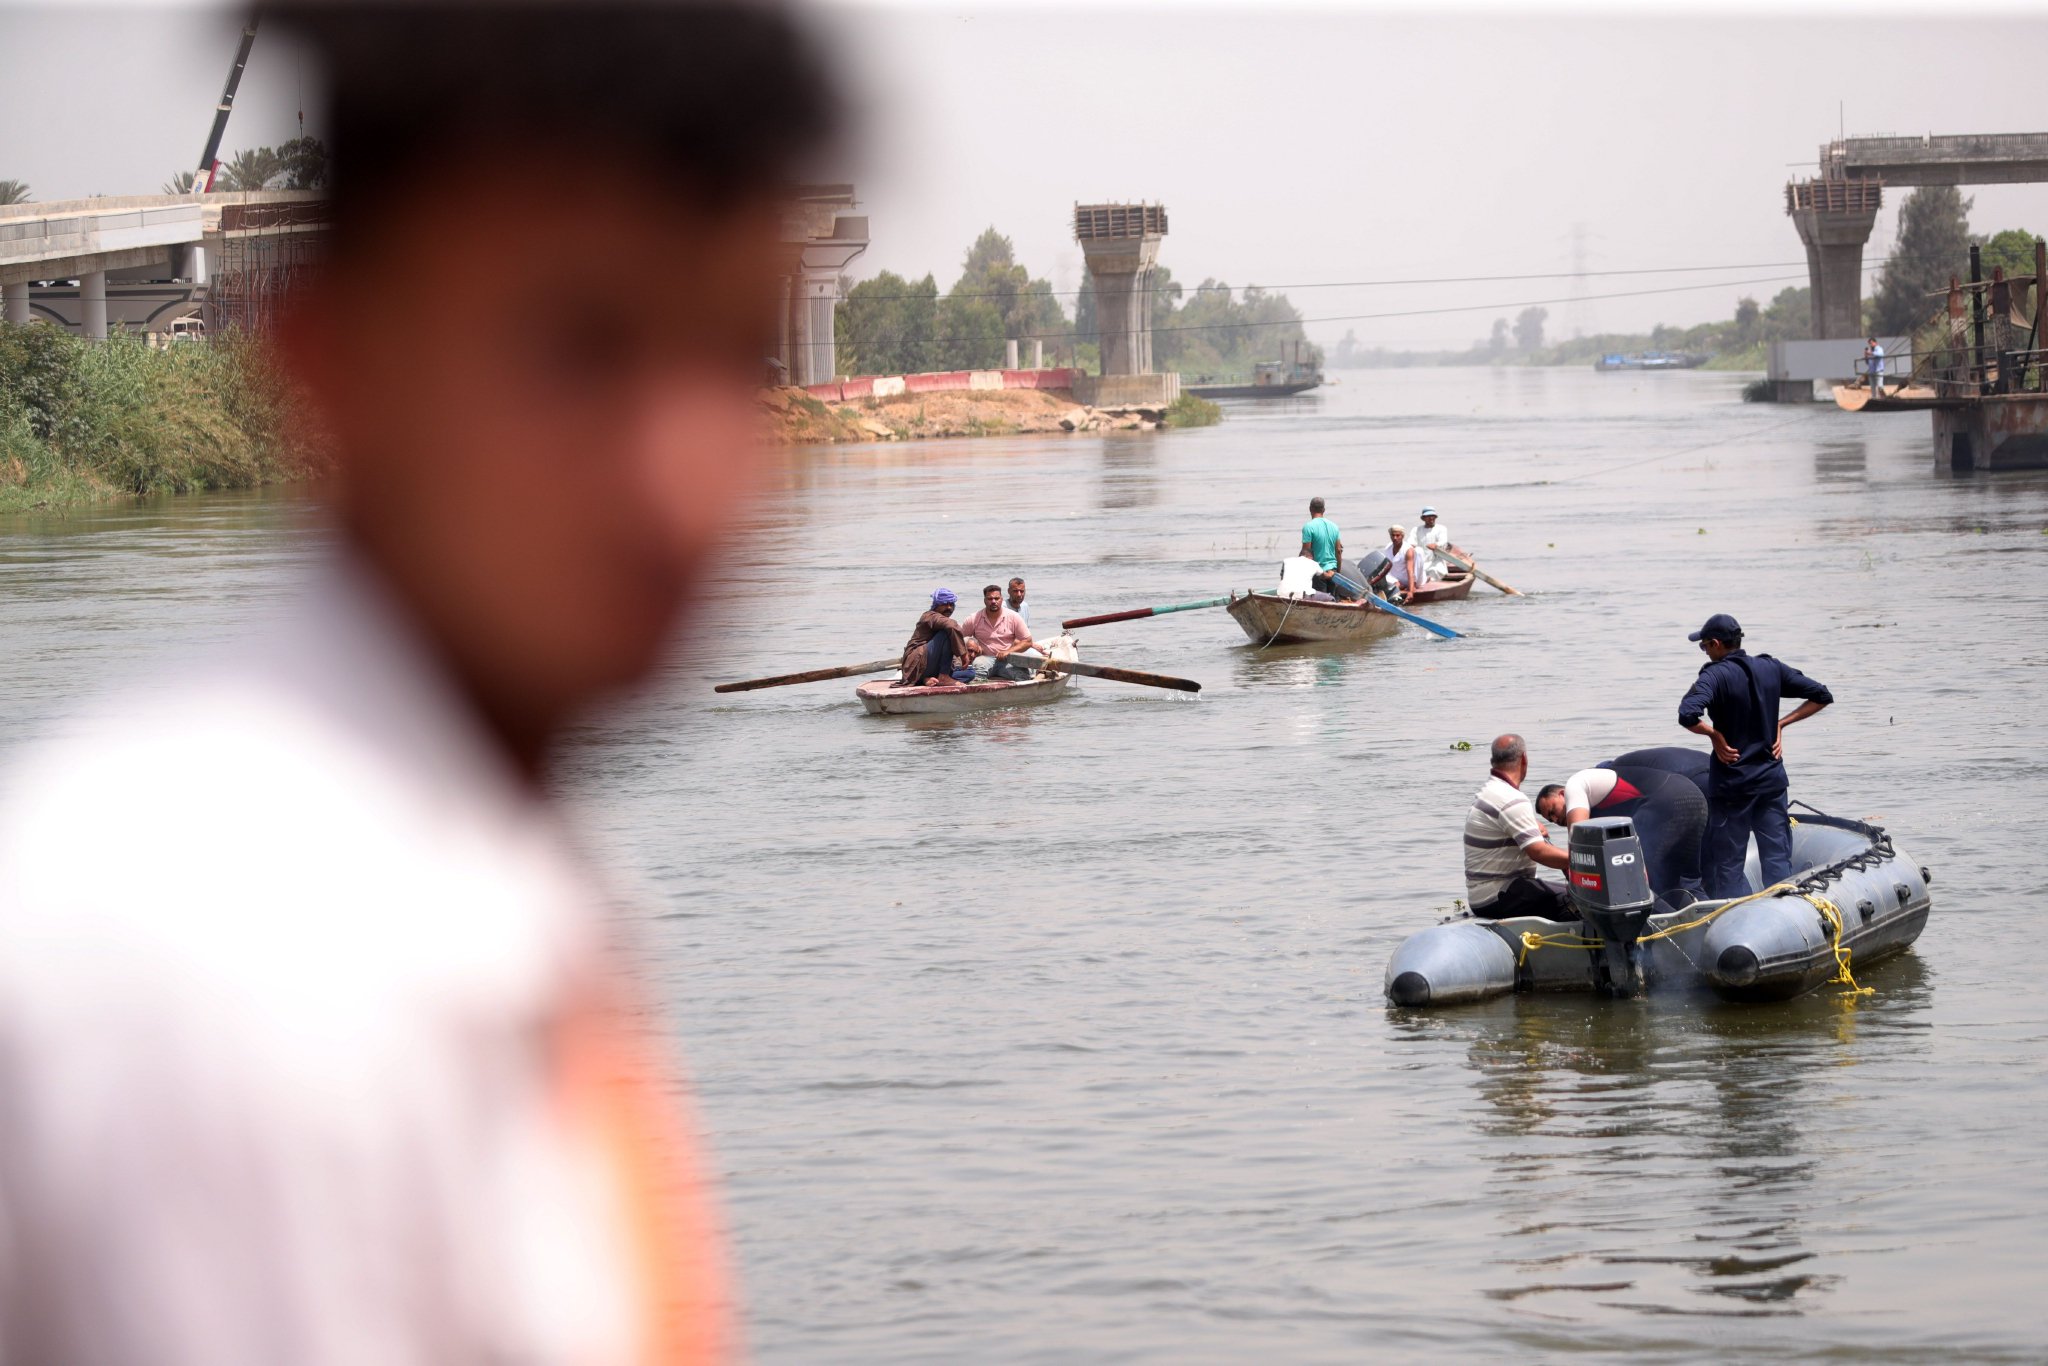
(1183, 288)
(1397, 313)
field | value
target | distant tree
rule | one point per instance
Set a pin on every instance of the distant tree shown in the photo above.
(992, 286)
(2012, 249)
(1790, 315)
(888, 326)
(14, 192)
(970, 333)
(1933, 244)
(1498, 342)
(1347, 349)
(181, 183)
(1748, 320)
(303, 162)
(252, 168)
(991, 255)
(1163, 294)
(1529, 328)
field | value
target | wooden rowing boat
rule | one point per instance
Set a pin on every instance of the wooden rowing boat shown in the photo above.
(1441, 590)
(886, 699)
(1271, 619)
(882, 697)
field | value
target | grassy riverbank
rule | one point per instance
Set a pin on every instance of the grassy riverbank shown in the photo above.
(84, 421)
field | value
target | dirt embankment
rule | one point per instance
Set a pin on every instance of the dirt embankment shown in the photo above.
(797, 417)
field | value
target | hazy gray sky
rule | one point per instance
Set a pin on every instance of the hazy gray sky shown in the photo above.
(1293, 148)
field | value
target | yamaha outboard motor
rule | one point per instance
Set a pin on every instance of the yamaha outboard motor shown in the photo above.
(1611, 888)
(1372, 571)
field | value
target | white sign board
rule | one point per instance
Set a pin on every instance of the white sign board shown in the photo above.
(1839, 359)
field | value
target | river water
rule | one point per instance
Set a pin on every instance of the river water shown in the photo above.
(1057, 1035)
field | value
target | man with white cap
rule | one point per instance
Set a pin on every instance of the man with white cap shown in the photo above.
(1431, 536)
(1404, 561)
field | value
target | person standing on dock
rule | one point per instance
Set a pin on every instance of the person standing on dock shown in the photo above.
(1506, 845)
(1746, 787)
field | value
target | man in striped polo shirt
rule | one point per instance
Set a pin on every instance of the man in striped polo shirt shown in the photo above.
(1505, 843)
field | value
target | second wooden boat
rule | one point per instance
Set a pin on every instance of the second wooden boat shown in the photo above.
(1273, 619)
(1441, 590)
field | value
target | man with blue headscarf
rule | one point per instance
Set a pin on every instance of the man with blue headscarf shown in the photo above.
(938, 651)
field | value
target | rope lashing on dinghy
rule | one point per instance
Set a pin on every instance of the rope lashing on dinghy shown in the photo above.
(1773, 890)
(1532, 940)
(1806, 888)
(1831, 916)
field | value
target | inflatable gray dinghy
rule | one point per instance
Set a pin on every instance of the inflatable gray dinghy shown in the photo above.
(1855, 896)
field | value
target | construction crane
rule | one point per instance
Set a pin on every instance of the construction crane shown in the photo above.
(209, 160)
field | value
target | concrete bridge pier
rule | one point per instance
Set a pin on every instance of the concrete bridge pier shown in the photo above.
(817, 352)
(1120, 243)
(92, 302)
(16, 295)
(1834, 219)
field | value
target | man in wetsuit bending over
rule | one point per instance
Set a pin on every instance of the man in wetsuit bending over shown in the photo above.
(1663, 790)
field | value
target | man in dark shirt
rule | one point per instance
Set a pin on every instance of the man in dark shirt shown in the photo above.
(937, 652)
(1746, 786)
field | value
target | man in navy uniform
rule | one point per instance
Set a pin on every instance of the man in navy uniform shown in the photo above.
(1746, 785)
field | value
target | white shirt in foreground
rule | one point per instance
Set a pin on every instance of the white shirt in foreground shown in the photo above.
(284, 950)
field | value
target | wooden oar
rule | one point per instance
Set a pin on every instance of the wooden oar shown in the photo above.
(1455, 558)
(1381, 604)
(1074, 666)
(1137, 612)
(873, 666)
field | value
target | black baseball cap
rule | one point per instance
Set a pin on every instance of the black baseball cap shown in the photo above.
(1720, 626)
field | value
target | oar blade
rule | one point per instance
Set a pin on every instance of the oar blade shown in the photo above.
(873, 666)
(1383, 605)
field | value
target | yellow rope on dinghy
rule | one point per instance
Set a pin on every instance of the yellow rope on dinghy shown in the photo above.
(1831, 916)
(1533, 940)
(1670, 930)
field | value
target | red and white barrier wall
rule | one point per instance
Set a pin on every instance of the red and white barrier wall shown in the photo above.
(941, 382)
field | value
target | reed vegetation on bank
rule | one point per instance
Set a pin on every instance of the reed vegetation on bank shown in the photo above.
(1191, 410)
(83, 421)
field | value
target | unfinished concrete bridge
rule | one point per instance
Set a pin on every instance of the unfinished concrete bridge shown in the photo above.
(1835, 210)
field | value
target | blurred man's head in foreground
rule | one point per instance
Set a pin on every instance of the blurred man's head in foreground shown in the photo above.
(553, 277)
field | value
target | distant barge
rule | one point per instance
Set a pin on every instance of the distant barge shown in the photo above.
(1270, 379)
(1649, 360)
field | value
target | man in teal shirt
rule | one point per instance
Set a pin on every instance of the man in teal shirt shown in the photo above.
(1321, 541)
